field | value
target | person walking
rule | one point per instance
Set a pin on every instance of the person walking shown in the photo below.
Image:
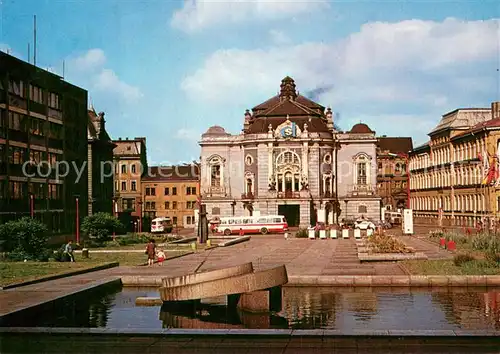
(151, 252)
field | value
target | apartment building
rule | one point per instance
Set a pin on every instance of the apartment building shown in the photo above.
(454, 176)
(392, 174)
(171, 191)
(43, 146)
(130, 164)
(100, 164)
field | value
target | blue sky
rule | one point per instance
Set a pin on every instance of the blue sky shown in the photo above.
(168, 70)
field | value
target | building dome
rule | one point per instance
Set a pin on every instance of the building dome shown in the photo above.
(215, 130)
(361, 128)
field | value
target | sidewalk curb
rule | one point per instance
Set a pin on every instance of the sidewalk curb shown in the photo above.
(63, 275)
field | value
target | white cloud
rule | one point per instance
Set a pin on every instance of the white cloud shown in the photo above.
(279, 37)
(92, 59)
(196, 15)
(188, 134)
(107, 80)
(411, 60)
(90, 68)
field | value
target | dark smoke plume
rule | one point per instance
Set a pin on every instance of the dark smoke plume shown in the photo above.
(315, 94)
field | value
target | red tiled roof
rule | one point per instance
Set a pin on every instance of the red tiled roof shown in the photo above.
(173, 173)
(489, 124)
(395, 145)
(361, 128)
(314, 125)
(273, 101)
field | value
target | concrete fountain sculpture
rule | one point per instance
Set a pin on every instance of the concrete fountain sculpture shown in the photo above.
(245, 288)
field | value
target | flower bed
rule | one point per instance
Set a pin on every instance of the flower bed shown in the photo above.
(387, 244)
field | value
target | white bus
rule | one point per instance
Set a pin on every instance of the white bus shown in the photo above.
(252, 224)
(159, 225)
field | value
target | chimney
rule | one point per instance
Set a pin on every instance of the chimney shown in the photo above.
(495, 110)
(120, 139)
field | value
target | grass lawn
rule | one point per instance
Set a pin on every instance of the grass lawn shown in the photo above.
(16, 272)
(125, 259)
(447, 267)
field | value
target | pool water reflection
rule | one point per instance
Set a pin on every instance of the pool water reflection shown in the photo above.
(303, 308)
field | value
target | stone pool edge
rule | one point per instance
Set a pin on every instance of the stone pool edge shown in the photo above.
(358, 280)
(284, 333)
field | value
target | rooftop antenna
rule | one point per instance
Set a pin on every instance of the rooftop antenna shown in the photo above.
(29, 55)
(34, 40)
(63, 70)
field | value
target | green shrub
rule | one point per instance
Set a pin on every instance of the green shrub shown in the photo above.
(436, 234)
(462, 258)
(302, 233)
(493, 257)
(25, 238)
(486, 242)
(458, 238)
(100, 226)
(131, 239)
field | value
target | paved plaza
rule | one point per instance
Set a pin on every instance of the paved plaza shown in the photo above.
(301, 257)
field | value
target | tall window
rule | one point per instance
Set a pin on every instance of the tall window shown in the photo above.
(249, 186)
(124, 168)
(167, 191)
(288, 172)
(362, 170)
(174, 205)
(124, 186)
(215, 176)
(174, 190)
(167, 205)
(133, 168)
(133, 186)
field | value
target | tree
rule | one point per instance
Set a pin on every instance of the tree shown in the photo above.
(100, 225)
(25, 238)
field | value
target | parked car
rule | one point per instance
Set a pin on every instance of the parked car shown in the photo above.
(364, 225)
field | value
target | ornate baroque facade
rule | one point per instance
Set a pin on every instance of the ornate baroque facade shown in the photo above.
(448, 173)
(290, 160)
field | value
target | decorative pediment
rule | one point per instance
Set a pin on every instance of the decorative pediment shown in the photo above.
(360, 156)
(287, 129)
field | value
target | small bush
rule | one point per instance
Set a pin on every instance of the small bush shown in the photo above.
(462, 258)
(436, 234)
(100, 226)
(130, 240)
(458, 238)
(302, 233)
(493, 257)
(486, 242)
(387, 244)
(25, 238)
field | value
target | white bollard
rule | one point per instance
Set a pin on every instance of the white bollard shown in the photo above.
(311, 233)
(333, 233)
(286, 235)
(322, 234)
(369, 232)
(345, 233)
(357, 233)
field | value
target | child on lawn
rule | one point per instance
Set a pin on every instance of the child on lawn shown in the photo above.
(161, 257)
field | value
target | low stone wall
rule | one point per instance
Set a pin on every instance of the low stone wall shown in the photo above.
(395, 280)
(359, 280)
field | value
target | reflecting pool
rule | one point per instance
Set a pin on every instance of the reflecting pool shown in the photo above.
(303, 308)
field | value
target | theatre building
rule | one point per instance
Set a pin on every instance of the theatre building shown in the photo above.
(290, 160)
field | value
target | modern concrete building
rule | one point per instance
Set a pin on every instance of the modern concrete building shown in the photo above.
(454, 176)
(100, 164)
(392, 172)
(290, 160)
(130, 165)
(171, 191)
(43, 146)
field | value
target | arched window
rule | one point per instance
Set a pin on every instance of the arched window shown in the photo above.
(215, 170)
(288, 172)
(362, 169)
(249, 160)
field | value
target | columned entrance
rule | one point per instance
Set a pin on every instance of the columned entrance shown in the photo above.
(291, 213)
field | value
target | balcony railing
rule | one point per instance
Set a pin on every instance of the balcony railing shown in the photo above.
(288, 195)
(247, 195)
(356, 190)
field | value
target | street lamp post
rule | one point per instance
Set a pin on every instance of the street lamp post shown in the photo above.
(32, 206)
(77, 219)
(140, 216)
(115, 213)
